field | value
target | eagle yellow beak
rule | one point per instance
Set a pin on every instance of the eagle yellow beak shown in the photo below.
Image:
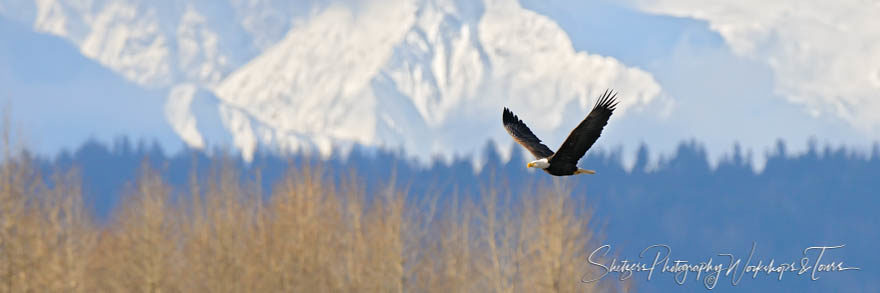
(530, 164)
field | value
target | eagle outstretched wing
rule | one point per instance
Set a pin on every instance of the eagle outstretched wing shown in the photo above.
(587, 132)
(524, 136)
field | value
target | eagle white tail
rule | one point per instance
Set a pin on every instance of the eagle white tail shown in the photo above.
(584, 171)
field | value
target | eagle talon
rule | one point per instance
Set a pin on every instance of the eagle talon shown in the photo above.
(584, 171)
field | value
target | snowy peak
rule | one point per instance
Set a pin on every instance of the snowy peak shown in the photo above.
(419, 74)
(430, 76)
(304, 95)
(156, 44)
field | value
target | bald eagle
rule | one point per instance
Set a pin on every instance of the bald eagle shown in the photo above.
(564, 161)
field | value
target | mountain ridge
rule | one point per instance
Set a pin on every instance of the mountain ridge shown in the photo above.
(421, 75)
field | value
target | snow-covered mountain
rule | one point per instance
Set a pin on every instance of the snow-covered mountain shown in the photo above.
(428, 76)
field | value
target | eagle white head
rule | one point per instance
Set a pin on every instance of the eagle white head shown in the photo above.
(541, 164)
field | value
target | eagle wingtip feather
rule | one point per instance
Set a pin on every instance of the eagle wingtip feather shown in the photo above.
(508, 116)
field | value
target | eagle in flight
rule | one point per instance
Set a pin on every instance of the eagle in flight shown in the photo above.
(564, 161)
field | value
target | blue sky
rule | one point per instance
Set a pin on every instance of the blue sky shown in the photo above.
(722, 81)
(58, 98)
